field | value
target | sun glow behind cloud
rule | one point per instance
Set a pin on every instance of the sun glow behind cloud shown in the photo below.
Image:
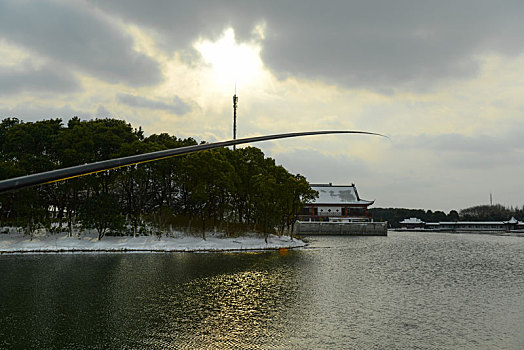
(230, 61)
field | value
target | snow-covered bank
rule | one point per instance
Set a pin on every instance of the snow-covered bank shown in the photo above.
(19, 243)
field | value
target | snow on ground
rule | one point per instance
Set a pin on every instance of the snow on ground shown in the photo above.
(19, 243)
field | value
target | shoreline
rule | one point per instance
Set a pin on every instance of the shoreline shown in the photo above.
(511, 233)
(89, 243)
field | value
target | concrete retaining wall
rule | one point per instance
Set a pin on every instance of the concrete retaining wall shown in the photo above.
(338, 228)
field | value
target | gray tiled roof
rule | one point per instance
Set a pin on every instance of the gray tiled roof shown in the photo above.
(328, 194)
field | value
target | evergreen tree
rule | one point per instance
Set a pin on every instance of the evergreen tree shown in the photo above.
(218, 188)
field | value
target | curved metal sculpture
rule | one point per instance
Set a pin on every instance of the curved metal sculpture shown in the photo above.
(91, 168)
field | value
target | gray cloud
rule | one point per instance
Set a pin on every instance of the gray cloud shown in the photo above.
(181, 22)
(103, 112)
(44, 79)
(373, 44)
(314, 165)
(380, 45)
(458, 151)
(177, 106)
(386, 43)
(35, 112)
(74, 36)
(458, 143)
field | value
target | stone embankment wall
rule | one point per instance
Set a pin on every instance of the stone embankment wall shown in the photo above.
(342, 229)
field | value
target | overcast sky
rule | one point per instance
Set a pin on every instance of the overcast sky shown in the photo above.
(443, 79)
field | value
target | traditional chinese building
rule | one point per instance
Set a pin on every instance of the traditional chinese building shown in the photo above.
(336, 204)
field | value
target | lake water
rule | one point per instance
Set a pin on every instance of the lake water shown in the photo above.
(405, 291)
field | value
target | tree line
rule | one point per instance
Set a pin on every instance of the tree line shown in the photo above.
(221, 189)
(496, 212)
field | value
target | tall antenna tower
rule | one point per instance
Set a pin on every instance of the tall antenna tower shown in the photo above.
(235, 103)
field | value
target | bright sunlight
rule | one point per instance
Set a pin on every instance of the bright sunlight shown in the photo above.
(230, 61)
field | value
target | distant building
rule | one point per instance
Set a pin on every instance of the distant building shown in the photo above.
(336, 204)
(462, 226)
(412, 223)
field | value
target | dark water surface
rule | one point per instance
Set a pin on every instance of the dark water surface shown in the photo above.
(405, 291)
